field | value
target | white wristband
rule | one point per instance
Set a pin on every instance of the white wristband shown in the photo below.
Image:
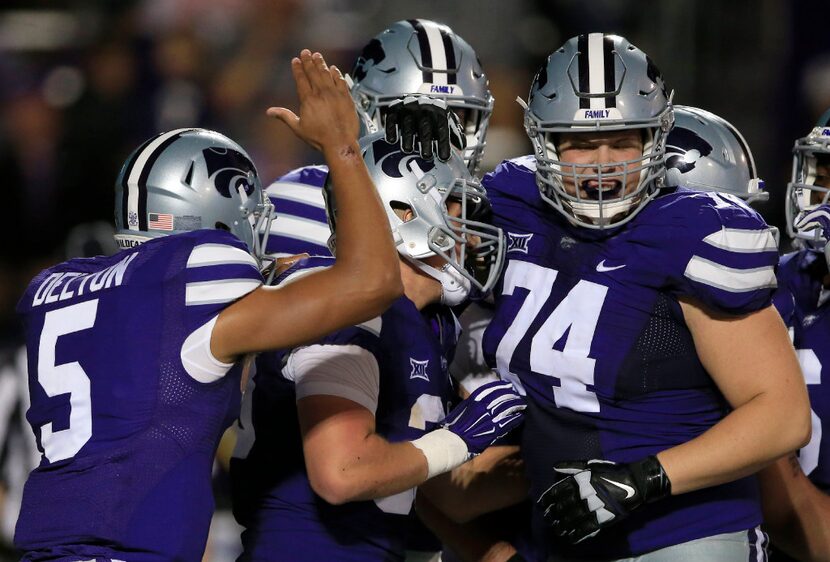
(443, 449)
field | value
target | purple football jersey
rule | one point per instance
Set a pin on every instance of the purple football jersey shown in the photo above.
(802, 301)
(300, 225)
(127, 436)
(284, 518)
(589, 324)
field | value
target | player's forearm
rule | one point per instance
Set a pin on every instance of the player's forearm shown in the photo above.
(814, 526)
(746, 440)
(796, 513)
(375, 468)
(467, 541)
(366, 253)
(491, 481)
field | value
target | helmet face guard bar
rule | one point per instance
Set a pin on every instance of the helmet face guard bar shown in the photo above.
(803, 195)
(600, 211)
(472, 247)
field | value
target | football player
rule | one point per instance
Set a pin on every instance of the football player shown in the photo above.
(704, 152)
(411, 58)
(659, 377)
(394, 71)
(335, 478)
(135, 359)
(795, 489)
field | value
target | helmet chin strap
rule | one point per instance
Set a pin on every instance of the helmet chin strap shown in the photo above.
(455, 288)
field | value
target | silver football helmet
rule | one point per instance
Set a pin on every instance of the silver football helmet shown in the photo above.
(809, 185)
(424, 57)
(190, 179)
(707, 153)
(449, 213)
(595, 83)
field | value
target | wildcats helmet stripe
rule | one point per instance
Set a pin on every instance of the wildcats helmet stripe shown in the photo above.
(596, 71)
(125, 190)
(436, 52)
(136, 176)
(610, 81)
(582, 47)
(449, 51)
(423, 43)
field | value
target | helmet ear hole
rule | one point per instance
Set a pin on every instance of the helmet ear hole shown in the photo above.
(403, 210)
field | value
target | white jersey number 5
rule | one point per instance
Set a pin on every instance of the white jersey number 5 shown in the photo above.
(68, 378)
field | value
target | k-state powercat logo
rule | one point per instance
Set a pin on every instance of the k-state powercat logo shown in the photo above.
(395, 163)
(228, 169)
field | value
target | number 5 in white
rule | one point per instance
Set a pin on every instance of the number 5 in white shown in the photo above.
(68, 378)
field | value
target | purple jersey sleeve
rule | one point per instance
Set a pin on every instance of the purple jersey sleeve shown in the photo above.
(219, 270)
(722, 253)
(300, 225)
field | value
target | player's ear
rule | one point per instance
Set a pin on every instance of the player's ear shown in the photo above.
(402, 210)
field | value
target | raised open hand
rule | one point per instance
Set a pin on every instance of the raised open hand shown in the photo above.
(327, 118)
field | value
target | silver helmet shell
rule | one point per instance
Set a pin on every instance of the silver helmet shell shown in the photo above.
(598, 82)
(803, 194)
(472, 250)
(190, 179)
(707, 153)
(424, 57)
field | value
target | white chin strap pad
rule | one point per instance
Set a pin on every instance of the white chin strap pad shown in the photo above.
(455, 288)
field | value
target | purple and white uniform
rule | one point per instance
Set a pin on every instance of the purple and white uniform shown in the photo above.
(802, 301)
(300, 225)
(395, 366)
(127, 402)
(589, 323)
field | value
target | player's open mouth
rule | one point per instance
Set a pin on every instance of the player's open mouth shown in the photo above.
(611, 189)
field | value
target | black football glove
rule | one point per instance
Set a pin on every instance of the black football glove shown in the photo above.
(597, 493)
(426, 120)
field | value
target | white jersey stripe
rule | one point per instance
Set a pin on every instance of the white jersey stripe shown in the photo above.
(219, 254)
(214, 292)
(596, 69)
(135, 173)
(436, 48)
(728, 278)
(300, 229)
(297, 192)
(743, 241)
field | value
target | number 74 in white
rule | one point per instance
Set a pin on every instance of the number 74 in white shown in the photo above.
(579, 311)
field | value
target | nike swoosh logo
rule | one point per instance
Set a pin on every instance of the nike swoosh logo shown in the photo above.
(627, 489)
(601, 267)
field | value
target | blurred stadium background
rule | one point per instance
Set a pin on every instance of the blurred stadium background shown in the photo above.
(83, 82)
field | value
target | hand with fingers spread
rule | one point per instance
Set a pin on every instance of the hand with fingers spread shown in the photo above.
(427, 121)
(327, 118)
(597, 493)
